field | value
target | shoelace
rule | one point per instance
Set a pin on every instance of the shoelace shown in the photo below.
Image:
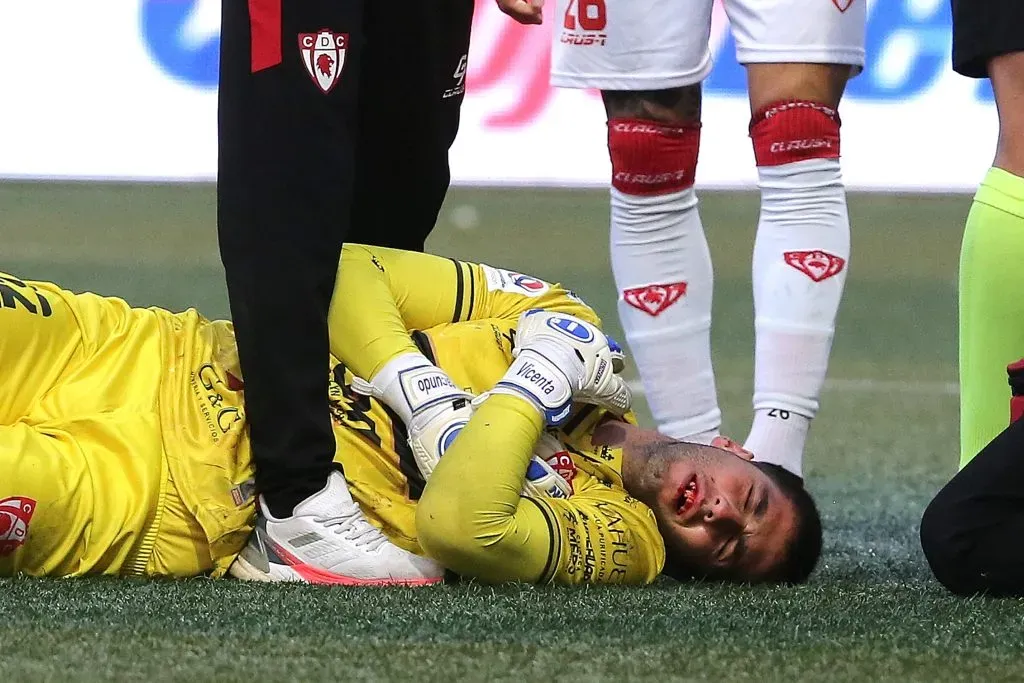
(354, 527)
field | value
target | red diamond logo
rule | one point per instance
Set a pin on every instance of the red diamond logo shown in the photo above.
(817, 265)
(653, 299)
(15, 515)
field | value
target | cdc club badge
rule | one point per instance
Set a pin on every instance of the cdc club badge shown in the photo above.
(323, 55)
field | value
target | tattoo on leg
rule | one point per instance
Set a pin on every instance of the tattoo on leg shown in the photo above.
(676, 105)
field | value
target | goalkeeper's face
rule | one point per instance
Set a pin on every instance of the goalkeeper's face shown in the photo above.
(721, 516)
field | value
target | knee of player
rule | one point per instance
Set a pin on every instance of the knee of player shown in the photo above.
(946, 544)
(937, 539)
(785, 131)
(1007, 75)
(673, 106)
(653, 140)
(823, 83)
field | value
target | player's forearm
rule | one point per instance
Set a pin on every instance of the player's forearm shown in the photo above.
(471, 517)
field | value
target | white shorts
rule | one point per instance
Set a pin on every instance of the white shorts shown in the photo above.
(660, 44)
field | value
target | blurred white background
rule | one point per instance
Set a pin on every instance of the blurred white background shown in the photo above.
(125, 89)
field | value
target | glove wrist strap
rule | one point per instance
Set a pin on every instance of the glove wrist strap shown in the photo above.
(539, 379)
(410, 383)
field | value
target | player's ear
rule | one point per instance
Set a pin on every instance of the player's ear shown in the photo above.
(727, 444)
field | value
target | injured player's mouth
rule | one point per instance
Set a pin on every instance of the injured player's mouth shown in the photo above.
(689, 496)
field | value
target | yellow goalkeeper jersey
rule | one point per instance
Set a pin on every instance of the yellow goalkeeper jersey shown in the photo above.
(600, 534)
(174, 382)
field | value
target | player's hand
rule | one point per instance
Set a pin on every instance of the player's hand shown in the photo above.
(599, 357)
(523, 11)
(541, 478)
(542, 481)
(433, 431)
(434, 411)
(426, 400)
(560, 358)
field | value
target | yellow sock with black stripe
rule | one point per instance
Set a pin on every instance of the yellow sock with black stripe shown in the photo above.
(991, 307)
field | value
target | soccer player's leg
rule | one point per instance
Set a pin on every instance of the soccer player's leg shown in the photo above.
(991, 308)
(289, 76)
(798, 59)
(660, 257)
(971, 530)
(288, 123)
(1007, 74)
(412, 86)
(987, 42)
(659, 253)
(308, 111)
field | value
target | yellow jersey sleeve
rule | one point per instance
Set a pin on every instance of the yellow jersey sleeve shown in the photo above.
(381, 294)
(472, 519)
(603, 537)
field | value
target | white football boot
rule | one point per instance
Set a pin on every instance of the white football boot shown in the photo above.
(327, 540)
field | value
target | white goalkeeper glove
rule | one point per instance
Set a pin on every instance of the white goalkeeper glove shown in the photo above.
(560, 358)
(542, 480)
(435, 410)
(432, 407)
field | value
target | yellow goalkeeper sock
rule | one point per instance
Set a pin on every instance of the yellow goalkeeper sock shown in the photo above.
(991, 308)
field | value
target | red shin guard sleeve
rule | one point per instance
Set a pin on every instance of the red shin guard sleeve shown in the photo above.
(650, 158)
(794, 131)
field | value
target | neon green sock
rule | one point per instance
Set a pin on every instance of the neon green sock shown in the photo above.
(991, 308)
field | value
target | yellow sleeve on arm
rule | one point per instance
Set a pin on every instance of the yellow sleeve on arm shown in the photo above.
(381, 293)
(471, 517)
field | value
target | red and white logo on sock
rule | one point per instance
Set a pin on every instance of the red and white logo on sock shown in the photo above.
(15, 515)
(842, 5)
(817, 265)
(653, 299)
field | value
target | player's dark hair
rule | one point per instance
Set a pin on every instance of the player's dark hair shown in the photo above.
(803, 551)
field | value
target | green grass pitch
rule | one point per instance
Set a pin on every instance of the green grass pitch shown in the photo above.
(884, 442)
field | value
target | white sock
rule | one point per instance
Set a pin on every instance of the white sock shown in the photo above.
(800, 263)
(663, 272)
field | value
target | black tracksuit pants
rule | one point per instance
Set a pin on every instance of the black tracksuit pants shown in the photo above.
(335, 120)
(973, 531)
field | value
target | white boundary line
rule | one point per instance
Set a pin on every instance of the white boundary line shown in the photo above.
(544, 183)
(858, 386)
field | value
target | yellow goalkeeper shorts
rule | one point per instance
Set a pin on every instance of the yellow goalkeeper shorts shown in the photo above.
(84, 479)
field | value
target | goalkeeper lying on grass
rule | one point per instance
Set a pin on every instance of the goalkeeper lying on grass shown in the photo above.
(124, 450)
